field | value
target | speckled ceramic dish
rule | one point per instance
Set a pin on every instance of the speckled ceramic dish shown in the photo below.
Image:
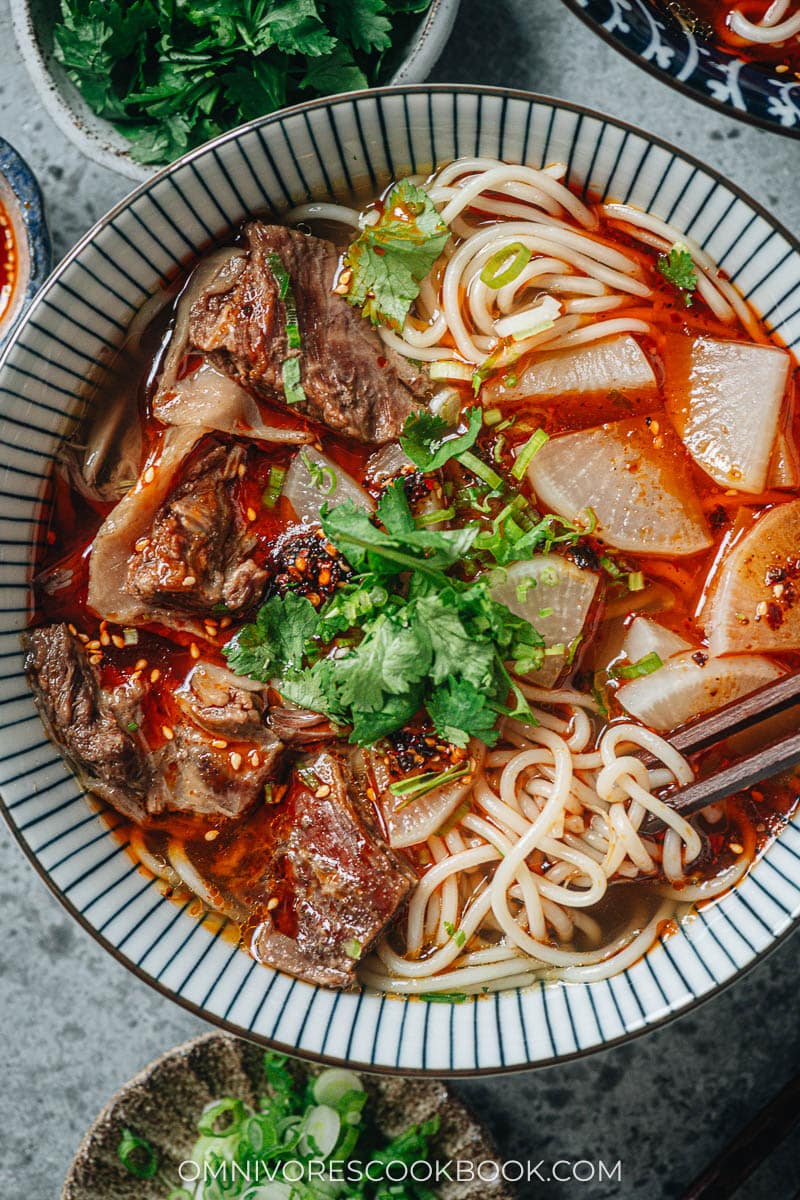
(22, 202)
(661, 38)
(33, 22)
(74, 327)
(164, 1101)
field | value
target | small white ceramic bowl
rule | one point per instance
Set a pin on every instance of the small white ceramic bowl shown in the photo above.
(33, 23)
(81, 317)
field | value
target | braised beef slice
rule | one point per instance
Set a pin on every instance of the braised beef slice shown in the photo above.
(81, 718)
(102, 733)
(197, 553)
(353, 383)
(338, 884)
(220, 759)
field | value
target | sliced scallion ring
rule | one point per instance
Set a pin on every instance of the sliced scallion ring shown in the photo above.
(505, 265)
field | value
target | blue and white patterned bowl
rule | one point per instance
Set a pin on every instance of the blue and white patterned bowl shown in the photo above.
(664, 45)
(22, 201)
(81, 316)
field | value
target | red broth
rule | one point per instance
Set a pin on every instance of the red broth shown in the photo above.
(783, 58)
(220, 848)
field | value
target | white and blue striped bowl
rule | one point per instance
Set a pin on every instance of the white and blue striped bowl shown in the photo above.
(81, 316)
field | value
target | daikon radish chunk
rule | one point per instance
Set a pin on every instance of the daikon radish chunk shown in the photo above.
(313, 479)
(555, 596)
(682, 689)
(408, 823)
(635, 478)
(648, 637)
(783, 468)
(754, 603)
(616, 364)
(725, 400)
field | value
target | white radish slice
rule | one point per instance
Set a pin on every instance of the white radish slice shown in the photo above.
(554, 586)
(783, 468)
(409, 824)
(682, 688)
(618, 363)
(755, 601)
(211, 398)
(635, 478)
(313, 479)
(648, 637)
(725, 399)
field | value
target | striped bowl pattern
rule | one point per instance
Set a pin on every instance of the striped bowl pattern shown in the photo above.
(80, 317)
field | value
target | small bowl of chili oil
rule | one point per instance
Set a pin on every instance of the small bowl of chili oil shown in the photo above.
(25, 253)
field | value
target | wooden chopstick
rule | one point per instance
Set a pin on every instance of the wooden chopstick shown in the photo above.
(771, 698)
(774, 697)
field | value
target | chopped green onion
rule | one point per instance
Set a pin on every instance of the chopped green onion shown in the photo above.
(591, 520)
(450, 369)
(130, 637)
(546, 612)
(611, 567)
(227, 1107)
(443, 997)
(279, 271)
(645, 666)
(428, 781)
(274, 486)
(635, 581)
(511, 380)
(137, 1156)
(549, 577)
(458, 935)
(293, 336)
(531, 447)
(133, 726)
(523, 588)
(497, 453)
(180, 1194)
(492, 416)
(352, 948)
(505, 265)
(293, 392)
(319, 475)
(334, 1084)
(573, 649)
(478, 467)
(554, 651)
(438, 514)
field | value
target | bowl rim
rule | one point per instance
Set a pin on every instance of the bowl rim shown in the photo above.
(577, 8)
(26, 193)
(221, 1022)
(428, 44)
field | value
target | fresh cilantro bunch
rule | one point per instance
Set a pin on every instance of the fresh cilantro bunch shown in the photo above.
(416, 636)
(171, 74)
(389, 259)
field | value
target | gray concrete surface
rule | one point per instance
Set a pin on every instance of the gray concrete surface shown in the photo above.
(75, 1025)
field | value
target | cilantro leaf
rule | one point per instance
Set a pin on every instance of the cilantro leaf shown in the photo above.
(334, 72)
(277, 639)
(364, 23)
(429, 442)
(390, 659)
(460, 711)
(394, 511)
(370, 727)
(389, 259)
(454, 646)
(353, 533)
(679, 270)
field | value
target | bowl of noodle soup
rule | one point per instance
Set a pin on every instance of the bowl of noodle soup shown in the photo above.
(740, 58)
(575, 298)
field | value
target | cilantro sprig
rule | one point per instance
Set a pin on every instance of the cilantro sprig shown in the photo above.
(678, 269)
(424, 638)
(170, 76)
(389, 259)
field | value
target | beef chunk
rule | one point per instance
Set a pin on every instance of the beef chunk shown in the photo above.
(221, 757)
(84, 720)
(337, 883)
(353, 383)
(196, 554)
(217, 761)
